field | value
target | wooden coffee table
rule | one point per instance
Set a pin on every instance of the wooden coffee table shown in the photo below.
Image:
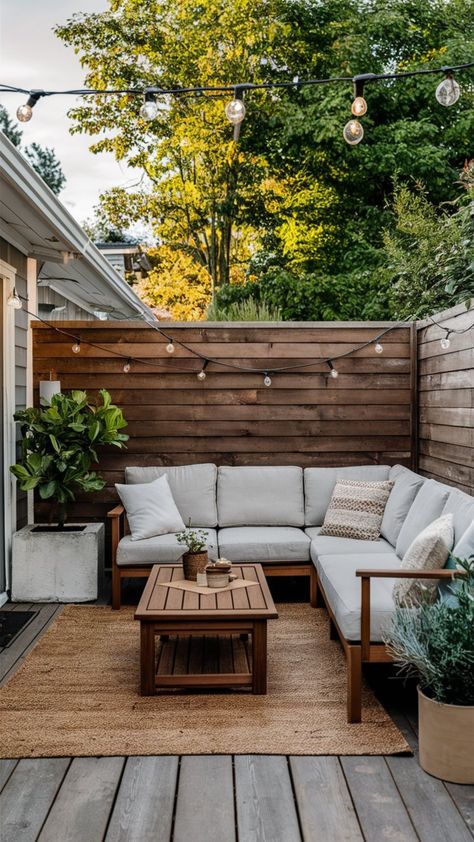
(170, 611)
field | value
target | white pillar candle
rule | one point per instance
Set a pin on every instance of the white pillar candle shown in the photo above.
(48, 388)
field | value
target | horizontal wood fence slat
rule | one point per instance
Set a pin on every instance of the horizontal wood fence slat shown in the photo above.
(446, 398)
(305, 418)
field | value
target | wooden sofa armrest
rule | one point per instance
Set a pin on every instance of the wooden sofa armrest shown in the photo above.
(365, 577)
(117, 512)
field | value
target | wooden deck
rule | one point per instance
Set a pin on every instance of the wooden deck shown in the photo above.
(224, 798)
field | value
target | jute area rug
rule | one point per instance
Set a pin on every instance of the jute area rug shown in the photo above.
(77, 694)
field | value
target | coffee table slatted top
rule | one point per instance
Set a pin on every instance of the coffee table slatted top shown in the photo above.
(162, 603)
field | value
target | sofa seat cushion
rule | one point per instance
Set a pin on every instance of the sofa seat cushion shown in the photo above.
(343, 591)
(162, 549)
(319, 484)
(260, 496)
(272, 544)
(329, 545)
(193, 488)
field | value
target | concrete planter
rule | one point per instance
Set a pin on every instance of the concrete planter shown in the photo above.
(446, 736)
(53, 566)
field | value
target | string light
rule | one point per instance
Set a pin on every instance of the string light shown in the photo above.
(448, 91)
(235, 109)
(353, 132)
(446, 342)
(378, 348)
(333, 372)
(14, 300)
(201, 375)
(170, 347)
(24, 112)
(149, 109)
(267, 380)
(76, 347)
(127, 365)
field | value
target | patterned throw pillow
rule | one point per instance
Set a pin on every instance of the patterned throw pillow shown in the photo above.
(356, 509)
(428, 551)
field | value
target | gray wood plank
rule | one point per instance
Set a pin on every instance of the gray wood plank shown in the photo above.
(264, 797)
(82, 808)
(205, 802)
(463, 797)
(143, 810)
(6, 768)
(324, 803)
(28, 795)
(431, 809)
(11, 657)
(380, 809)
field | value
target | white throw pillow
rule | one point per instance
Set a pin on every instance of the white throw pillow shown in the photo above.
(150, 508)
(428, 551)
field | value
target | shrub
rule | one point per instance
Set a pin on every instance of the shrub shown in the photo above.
(435, 643)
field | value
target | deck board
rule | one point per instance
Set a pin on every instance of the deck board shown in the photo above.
(143, 799)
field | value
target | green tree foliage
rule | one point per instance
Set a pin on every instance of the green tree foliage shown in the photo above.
(430, 252)
(42, 158)
(319, 206)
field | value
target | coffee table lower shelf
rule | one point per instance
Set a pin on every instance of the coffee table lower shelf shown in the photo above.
(255, 678)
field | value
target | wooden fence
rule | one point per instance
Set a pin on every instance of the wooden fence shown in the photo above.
(367, 415)
(446, 399)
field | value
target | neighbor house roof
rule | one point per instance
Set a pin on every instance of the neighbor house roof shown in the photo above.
(34, 220)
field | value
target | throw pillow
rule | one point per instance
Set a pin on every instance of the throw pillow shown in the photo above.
(428, 551)
(150, 508)
(356, 509)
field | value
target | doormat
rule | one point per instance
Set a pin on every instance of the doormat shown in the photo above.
(11, 624)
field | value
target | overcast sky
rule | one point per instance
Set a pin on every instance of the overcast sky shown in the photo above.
(33, 57)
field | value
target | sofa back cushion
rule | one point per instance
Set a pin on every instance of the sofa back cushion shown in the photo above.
(193, 488)
(461, 506)
(260, 496)
(319, 484)
(406, 486)
(426, 507)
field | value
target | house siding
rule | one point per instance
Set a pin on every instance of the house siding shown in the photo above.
(18, 261)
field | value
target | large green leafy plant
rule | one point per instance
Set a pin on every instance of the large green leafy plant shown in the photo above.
(435, 642)
(59, 446)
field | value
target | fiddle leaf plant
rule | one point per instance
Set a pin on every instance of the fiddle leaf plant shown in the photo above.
(59, 444)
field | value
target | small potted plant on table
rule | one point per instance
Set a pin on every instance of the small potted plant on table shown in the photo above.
(435, 644)
(58, 562)
(196, 558)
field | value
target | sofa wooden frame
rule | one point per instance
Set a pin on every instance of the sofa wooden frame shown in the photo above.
(120, 528)
(364, 651)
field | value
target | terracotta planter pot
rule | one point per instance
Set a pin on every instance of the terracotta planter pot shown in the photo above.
(194, 563)
(446, 735)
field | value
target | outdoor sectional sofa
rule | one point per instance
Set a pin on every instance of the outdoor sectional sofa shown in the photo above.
(273, 515)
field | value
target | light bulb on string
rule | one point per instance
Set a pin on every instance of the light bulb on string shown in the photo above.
(201, 375)
(267, 380)
(359, 106)
(76, 347)
(378, 348)
(127, 366)
(24, 112)
(170, 347)
(149, 109)
(333, 372)
(235, 109)
(448, 91)
(353, 132)
(14, 300)
(445, 342)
